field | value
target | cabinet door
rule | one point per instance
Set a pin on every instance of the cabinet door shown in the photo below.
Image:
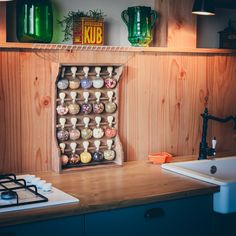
(59, 227)
(224, 224)
(185, 217)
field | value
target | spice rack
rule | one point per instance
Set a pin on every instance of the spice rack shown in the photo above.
(86, 123)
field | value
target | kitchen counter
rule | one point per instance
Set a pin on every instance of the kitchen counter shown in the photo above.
(135, 183)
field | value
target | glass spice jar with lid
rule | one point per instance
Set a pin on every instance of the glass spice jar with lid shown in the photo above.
(34, 21)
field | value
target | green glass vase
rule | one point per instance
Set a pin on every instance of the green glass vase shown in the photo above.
(139, 20)
(34, 21)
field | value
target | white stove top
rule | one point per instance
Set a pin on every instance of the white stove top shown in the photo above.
(55, 197)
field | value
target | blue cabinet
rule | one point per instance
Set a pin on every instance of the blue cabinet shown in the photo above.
(58, 227)
(224, 224)
(184, 217)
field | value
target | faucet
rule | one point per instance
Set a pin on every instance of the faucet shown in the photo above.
(204, 149)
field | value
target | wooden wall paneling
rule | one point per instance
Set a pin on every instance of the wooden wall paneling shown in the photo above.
(162, 97)
(10, 105)
(130, 111)
(149, 87)
(161, 28)
(221, 84)
(162, 124)
(187, 90)
(182, 24)
(178, 26)
(94, 57)
(3, 26)
(164, 102)
(36, 121)
(157, 97)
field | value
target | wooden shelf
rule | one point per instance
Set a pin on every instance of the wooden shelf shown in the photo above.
(70, 47)
(16, 45)
(167, 38)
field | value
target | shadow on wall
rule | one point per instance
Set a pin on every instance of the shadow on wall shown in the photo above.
(208, 27)
(58, 14)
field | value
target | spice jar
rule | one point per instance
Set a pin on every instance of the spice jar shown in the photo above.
(98, 82)
(98, 107)
(85, 155)
(110, 131)
(97, 155)
(63, 134)
(74, 133)
(109, 154)
(74, 158)
(64, 158)
(86, 133)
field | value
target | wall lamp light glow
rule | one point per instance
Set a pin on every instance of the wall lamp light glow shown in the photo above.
(204, 7)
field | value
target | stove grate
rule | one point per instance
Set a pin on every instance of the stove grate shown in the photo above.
(25, 194)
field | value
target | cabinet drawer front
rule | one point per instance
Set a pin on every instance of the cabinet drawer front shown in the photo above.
(189, 216)
(59, 227)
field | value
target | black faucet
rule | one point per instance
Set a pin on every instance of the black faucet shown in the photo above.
(204, 150)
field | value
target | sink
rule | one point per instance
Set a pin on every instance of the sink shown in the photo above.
(219, 171)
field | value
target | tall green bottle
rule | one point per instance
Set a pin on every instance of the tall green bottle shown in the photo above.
(34, 21)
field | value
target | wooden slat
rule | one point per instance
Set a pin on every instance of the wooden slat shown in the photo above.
(164, 102)
(94, 57)
(131, 103)
(3, 26)
(10, 118)
(182, 24)
(177, 26)
(36, 107)
(221, 84)
(161, 26)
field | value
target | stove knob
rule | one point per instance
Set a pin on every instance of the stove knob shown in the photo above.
(47, 187)
(29, 178)
(34, 181)
(40, 184)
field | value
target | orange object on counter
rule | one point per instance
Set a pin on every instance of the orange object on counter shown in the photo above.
(160, 158)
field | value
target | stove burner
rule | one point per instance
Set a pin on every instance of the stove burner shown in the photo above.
(8, 195)
(12, 188)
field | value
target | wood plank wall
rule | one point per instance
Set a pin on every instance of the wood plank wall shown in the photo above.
(3, 24)
(176, 26)
(162, 96)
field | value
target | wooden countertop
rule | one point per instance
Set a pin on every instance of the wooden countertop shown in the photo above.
(135, 183)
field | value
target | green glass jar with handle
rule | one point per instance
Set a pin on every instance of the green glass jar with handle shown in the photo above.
(140, 21)
(34, 21)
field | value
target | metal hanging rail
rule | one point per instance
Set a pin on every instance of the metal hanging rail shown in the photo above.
(69, 47)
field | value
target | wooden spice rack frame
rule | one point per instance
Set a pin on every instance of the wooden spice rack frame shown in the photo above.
(116, 146)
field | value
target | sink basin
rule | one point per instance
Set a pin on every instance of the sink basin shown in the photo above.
(219, 171)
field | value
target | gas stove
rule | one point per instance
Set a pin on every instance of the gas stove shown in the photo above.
(24, 192)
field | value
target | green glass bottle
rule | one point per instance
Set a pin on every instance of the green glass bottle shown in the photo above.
(34, 21)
